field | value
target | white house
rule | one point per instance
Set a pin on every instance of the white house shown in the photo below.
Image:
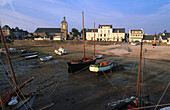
(106, 33)
(135, 35)
(164, 38)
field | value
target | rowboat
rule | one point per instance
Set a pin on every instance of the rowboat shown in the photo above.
(98, 56)
(60, 51)
(102, 66)
(133, 43)
(23, 104)
(31, 56)
(46, 58)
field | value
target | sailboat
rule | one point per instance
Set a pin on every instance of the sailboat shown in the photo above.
(101, 66)
(76, 65)
(132, 102)
(14, 99)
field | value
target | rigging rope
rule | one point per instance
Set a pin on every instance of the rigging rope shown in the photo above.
(129, 80)
(162, 95)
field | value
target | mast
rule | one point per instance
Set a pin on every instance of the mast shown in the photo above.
(137, 94)
(7, 55)
(83, 35)
(2, 103)
(94, 39)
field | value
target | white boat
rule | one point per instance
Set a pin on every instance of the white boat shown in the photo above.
(46, 58)
(60, 51)
(31, 57)
(98, 56)
(102, 66)
(133, 43)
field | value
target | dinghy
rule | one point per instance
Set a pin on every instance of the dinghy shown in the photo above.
(46, 58)
(102, 66)
(98, 56)
(133, 43)
(60, 51)
(31, 56)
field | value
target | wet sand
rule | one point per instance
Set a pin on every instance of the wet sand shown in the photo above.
(83, 90)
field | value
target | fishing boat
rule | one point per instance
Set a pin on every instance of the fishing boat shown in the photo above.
(29, 54)
(46, 58)
(60, 51)
(75, 65)
(102, 66)
(78, 65)
(12, 99)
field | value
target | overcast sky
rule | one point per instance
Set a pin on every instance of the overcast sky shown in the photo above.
(151, 15)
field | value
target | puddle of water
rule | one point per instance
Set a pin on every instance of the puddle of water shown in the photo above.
(127, 68)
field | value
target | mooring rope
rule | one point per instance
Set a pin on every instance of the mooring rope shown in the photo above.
(110, 81)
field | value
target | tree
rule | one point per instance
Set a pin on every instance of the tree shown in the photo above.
(75, 32)
(84, 32)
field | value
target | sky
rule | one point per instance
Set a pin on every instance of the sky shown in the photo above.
(150, 15)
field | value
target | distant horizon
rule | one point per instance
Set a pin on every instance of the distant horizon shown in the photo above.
(152, 16)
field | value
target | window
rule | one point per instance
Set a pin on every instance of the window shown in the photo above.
(108, 31)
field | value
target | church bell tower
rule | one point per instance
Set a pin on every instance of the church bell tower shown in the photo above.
(64, 28)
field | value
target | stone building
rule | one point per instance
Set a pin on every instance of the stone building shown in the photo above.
(150, 38)
(51, 32)
(19, 34)
(135, 35)
(106, 33)
(15, 34)
(6, 30)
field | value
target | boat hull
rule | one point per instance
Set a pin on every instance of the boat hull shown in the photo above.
(78, 66)
(29, 54)
(31, 57)
(24, 105)
(46, 58)
(100, 68)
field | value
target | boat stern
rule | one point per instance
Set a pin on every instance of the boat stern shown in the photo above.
(93, 68)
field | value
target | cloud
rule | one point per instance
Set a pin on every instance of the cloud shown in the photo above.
(7, 2)
(14, 19)
(95, 11)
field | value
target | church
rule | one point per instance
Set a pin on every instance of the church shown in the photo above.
(51, 32)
